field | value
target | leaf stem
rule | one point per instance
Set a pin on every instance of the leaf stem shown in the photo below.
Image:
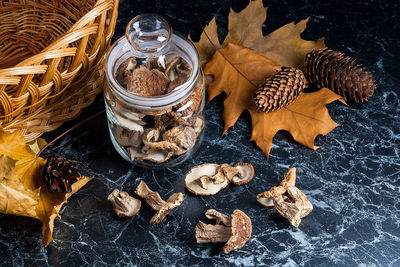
(217, 49)
(67, 131)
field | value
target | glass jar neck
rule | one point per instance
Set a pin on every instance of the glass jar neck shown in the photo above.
(184, 48)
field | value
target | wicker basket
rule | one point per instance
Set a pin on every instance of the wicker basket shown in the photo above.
(51, 57)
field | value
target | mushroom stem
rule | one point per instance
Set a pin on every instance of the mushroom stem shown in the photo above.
(152, 198)
(155, 201)
(206, 233)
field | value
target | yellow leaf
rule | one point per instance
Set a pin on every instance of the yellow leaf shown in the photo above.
(37, 144)
(22, 191)
(14, 198)
(7, 166)
(13, 145)
(50, 205)
(238, 71)
(29, 171)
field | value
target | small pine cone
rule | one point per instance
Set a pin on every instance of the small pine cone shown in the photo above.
(280, 89)
(340, 73)
(59, 174)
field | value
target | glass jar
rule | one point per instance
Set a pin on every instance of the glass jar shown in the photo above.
(154, 96)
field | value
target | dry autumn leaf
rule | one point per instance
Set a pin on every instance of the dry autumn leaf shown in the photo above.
(238, 70)
(21, 190)
(284, 46)
(305, 118)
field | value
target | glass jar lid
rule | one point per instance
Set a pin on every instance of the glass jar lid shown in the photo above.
(150, 66)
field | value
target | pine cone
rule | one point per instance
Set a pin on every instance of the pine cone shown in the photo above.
(59, 174)
(280, 89)
(340, 73)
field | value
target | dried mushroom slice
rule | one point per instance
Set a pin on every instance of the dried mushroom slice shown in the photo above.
(146, 82)
(287, 199)
(123, 204)
(125, 70)
(236, 230)
(129, 124)
(149, 154)
(151, 139)
(193, 185)
(125, 137)
(182, 136)
(246, 173)
(155, 201)
(191, 104)
(209, 179)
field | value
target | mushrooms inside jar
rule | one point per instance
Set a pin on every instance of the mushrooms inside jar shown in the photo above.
(157, 135)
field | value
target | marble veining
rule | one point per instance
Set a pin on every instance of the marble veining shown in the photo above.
(353, 180)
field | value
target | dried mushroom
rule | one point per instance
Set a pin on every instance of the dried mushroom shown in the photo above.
(151, 139)
(235, 230)
(182, 136)
(154, 77)
(149, 154)
(123, 204)
(296, 208)
(125, 70)
(287, 199)
(193, 184)
(125, 137)
(129, 124)
(209, 179)
(191, 104)
(146, 82)
(246, 173)
(155, 201)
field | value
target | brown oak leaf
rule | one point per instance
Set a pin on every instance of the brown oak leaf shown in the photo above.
(21, 189)
(284, 46)
(236, 70)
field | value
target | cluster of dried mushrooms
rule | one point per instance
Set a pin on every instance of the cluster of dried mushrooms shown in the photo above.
(235, 229)
(157, 135)
(155, 77)
(208, 179)
(126, 206)
(287, 199)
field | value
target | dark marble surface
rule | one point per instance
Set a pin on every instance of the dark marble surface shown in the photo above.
(353, 180)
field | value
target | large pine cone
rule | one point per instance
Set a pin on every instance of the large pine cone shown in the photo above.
(340, 73)
(59, 174)
(280, 89)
